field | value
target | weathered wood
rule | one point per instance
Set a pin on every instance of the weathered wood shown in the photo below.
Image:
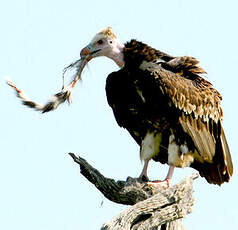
(127, 192)
(154, 207)
(162, 208)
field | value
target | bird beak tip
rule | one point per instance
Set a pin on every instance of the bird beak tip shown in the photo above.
(84, 52)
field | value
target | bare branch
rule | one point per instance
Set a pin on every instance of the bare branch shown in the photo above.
(153, 206)
(127, 192)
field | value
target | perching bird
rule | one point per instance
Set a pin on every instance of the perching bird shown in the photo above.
(168, 108)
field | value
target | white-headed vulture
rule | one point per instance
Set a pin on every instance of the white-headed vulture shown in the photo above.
(173, 113)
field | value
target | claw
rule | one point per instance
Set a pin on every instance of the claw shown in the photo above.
(163, 183)
(143, 178)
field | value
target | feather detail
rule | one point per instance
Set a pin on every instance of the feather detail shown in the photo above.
(228, 167)
(203, 140)
(184, 65)
(192, 96)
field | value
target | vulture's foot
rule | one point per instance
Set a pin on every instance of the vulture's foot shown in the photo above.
(163, 183)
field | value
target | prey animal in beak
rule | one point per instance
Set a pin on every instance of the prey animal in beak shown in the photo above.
(104, 43)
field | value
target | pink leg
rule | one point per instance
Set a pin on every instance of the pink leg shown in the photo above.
(170, 172)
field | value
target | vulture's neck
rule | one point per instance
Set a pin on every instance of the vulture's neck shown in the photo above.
(117, 54)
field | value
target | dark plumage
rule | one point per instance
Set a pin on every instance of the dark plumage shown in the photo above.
(173, 100)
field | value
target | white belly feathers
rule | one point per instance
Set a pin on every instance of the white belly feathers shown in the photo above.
(150, 145)
(179, 156)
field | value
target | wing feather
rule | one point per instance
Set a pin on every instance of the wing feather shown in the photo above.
(226, 155)
(200, 117)
(201, 136)
(197, 97)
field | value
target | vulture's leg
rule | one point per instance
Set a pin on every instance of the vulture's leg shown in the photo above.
(149, 147)
(170, 173)
(166, 181)
(143, 176)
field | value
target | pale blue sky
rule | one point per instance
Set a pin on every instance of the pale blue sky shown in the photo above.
(41, 187)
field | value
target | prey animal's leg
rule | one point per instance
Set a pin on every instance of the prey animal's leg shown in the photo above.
(143, 176)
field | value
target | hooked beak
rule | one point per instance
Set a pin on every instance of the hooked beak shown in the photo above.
(88, 51)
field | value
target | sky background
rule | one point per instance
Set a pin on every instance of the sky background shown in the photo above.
(41, 187)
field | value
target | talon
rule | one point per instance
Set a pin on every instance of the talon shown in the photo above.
(144, 178)
(164, 183)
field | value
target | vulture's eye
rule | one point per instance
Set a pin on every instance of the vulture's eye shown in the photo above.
(100, 42)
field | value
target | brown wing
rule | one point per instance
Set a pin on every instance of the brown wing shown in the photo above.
(184, 65)
(201, 116)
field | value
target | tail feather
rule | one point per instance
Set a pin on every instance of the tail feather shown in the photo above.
(226, 155)
(221, 168)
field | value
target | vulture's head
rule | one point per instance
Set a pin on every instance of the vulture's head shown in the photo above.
(105, 43)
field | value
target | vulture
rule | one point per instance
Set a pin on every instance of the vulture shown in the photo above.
(169, 109)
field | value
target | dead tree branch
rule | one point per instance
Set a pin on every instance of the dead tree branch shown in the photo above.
(153, 206)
